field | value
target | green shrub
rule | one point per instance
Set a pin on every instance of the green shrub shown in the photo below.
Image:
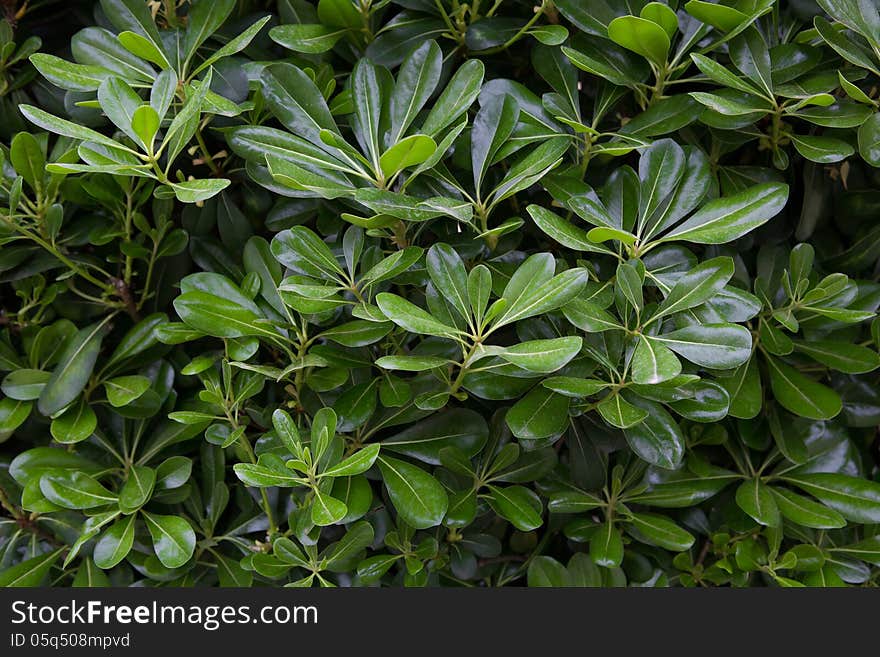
(426, 293)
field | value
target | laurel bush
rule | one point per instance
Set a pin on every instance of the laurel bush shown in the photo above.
(435, 293)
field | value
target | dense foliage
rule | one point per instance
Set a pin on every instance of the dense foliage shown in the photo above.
(434, 293)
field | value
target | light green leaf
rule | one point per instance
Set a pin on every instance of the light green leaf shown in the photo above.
(642, 36)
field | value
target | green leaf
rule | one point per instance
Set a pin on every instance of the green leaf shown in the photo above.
(88, 576)
(356, 539)
(75, 424)
(535, 299)
(122, 390)
(718, 73)
(217, 316)
(448, 273)
(115, 543)
(479, 289)
(757, 500)
(269, 470)
(339, 13)
(823, 150)
(28, 159)
(231, 574)
(719, 16)
(869, 140)
(661, 531)
(696, 286)
(303, 251)
(653, 362)
(368, 100)
(69, 75)
(862, 18)
(744, 388)
(96, 46)
(32, 463)
(591, 19)
(74, 368)
(492, 127)
(750, 54)
(545, 571)
(608, 61)
(854, 498)
(358, 333)
(574, 387)
(628, 283)
(410, 363)
(543, 356)
(68, 129)
(133, 16)
(119, 102)
(458, 96)
(801, 395)
(173, 472)
(730, 105)
(234, 45)
(145, 123)
(357, 463)
(13, 413)
(865, 550)
(184, 124)
(840, 356)
(686, 489)
(195, 191)
(563, 231)
(804, 511)
(571, 501)
(665, 116)
(416, 81)
(173, 538)
(541, 413)
(606, 233)
(311, 39)
(420, 499)
(411, 317)
(662, 15)
(327, 510)
(521, 506)
(717, 346)
(618, 412)
(459, 428)
(205, 17)
(406, 153)
(25, 384)
(144, 48)
(529, 169)
(29, 573)
(137, 489)
(642, 36)
(657, 439)
(74, 490)
(549, 35)
(729, 218)
(606, 546)
(661, 168)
